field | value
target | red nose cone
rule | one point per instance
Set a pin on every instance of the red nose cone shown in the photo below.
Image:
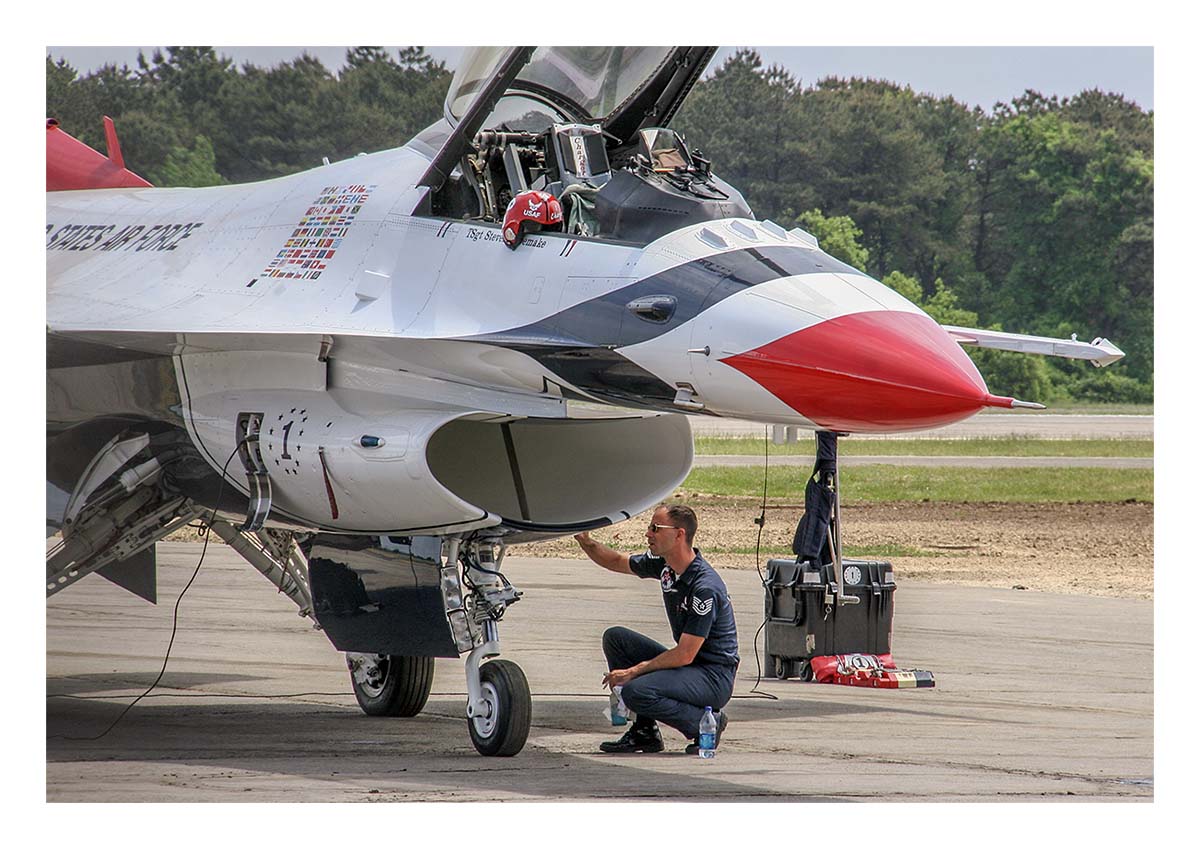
(869, 372)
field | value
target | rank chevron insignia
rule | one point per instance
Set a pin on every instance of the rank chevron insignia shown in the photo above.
(702, 608)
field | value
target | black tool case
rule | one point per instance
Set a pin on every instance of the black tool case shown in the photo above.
(806, 620)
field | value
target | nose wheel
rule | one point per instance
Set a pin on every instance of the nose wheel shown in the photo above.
(499, 720)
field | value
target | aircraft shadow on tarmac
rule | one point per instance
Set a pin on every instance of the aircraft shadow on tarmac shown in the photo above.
(426, 760)
(426, 756)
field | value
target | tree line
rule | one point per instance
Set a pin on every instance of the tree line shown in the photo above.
(1036, 217)
(188, 117)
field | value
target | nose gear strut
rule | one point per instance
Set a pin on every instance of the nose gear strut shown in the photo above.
(499, 705)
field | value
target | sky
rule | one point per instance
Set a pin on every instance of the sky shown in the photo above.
(976, 76)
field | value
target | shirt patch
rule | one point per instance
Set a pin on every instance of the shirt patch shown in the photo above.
(702, 608)
(668, 580)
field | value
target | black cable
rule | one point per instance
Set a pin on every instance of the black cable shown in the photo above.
(762, 513)
(174, 617)
(463, 558)
(761, 521)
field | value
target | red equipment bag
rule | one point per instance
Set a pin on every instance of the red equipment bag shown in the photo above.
(867, 670)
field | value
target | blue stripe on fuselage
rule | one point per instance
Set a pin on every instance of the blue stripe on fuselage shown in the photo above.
(696, 285)
(577, 343)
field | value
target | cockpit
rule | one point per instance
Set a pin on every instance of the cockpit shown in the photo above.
(584, 124)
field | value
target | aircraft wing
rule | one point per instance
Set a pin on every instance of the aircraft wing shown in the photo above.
(1099, 351)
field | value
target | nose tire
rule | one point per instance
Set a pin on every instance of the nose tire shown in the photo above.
(504, 730)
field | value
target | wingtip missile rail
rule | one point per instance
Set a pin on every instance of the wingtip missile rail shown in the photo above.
(1100, 352)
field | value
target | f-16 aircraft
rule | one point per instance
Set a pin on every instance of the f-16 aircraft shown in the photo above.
(358, 376)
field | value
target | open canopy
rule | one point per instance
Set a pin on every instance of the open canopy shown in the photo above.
(619, 88)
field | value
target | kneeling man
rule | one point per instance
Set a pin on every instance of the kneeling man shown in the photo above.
(673, 685)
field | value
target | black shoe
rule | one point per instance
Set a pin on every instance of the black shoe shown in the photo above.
(647, 740)
(693, 748)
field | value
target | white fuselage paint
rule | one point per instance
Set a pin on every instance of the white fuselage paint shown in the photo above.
(444, 279)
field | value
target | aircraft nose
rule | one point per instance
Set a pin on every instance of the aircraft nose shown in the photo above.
(876, 371)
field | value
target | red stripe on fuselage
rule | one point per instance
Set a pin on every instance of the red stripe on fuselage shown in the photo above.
(869, 372)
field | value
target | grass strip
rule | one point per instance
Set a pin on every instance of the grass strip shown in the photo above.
(1082, 408)
(980, 447)
(861, 551)
(873, 484)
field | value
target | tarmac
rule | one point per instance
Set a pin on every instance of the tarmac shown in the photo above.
(1039, 697)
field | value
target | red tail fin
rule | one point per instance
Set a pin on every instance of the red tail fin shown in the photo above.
(112, 143)
(71, 164)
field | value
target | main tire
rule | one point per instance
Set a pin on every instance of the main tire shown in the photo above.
(400, 687)
(503, 730)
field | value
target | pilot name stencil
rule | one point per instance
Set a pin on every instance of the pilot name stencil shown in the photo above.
(318, 234)
(476, 234)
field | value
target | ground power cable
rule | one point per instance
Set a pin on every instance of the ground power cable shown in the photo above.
(761, 521)
(174, 616)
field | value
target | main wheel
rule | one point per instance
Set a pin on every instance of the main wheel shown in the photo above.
(390, 685)
(503, 728)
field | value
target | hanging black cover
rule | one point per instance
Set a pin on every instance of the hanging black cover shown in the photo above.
(811, 541)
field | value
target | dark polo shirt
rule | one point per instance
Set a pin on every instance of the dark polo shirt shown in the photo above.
(697, 603)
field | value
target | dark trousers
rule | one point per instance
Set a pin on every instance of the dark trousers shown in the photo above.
(677, 697)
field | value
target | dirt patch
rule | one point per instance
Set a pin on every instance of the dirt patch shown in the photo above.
(1088, 549)
(1092, 549)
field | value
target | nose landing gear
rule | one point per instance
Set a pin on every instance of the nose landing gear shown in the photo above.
(499, 704)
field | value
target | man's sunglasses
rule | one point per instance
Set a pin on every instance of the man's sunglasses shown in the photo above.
(655, 528)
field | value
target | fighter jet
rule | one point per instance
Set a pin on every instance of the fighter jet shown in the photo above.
(358, 376)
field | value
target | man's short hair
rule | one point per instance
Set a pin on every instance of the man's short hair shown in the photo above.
(682, 516)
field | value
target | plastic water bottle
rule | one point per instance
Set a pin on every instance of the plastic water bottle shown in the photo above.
(618, 713)
(708, 734)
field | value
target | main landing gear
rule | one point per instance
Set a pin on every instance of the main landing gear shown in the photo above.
(390, 685)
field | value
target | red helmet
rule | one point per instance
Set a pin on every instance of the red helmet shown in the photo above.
(529, 212)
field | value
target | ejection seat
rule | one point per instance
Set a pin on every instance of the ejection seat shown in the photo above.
(578, 164)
